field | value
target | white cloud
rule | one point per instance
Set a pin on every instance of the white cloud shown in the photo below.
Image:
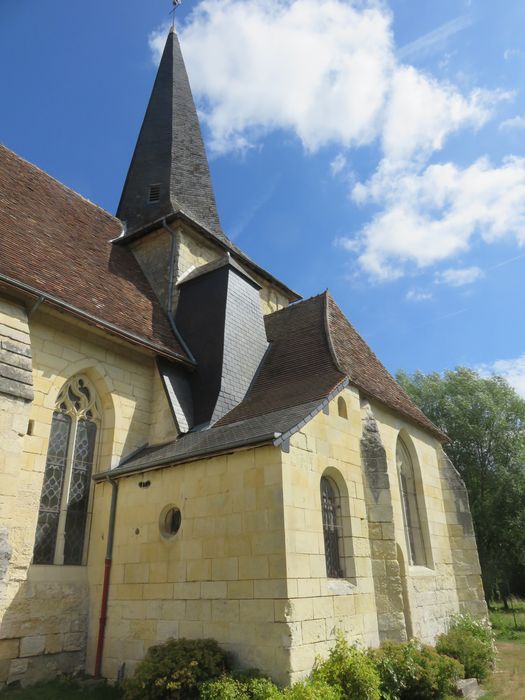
(429, 216)
(434, 40)
(156, 42)
(326, 70)
(319, 68)
(415, 295)
(459, 276)
(422, 111)
(337, 164)
(513, 123)
(512, 370)
(508, 54)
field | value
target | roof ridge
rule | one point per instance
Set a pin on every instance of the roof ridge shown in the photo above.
(41, 171)
(337, 362)
(381, 365)
(295, 304)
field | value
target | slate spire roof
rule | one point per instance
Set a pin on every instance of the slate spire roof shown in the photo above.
(169, 170)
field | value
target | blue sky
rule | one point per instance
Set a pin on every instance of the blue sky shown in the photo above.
(372, 148)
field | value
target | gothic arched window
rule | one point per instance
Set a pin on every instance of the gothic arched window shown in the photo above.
(332, 528)
(410, 505)
(62, 517)
(341, 408)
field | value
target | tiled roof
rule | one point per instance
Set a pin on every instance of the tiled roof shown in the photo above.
(313, 347)
(314, 352)
(366, 372)
(254, 431)
(298, 367)
(54, 241)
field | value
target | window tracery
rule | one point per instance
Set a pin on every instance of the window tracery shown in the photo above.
(64, 501)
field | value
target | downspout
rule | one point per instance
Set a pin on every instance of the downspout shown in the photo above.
(107, 573)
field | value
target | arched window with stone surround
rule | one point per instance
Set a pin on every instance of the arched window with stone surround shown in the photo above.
(341, 408)
(64, 501)
(410, 502)
(332, 527)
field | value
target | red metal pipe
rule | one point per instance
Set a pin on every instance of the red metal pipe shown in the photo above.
(105, 586)
(103, 617)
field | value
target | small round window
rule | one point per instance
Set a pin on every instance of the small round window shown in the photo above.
(170, 521)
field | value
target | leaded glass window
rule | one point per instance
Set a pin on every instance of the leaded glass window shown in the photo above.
(331, 527)
(410, 506)
(64, 502)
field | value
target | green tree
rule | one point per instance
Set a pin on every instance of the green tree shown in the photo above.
(485, 421)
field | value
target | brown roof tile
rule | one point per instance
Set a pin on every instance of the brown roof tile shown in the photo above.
(298, 366)
(313, 348)
(55, 241)
(365, 371)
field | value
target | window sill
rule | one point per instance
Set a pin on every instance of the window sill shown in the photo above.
(420, 571)
(61, 573)
(340, 586)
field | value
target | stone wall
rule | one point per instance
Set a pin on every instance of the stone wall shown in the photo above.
(16, 394)
(381, 597)
(44, 609)
(388, 584)
(318, 607)
(223, 575)
(192, 250)
(432, 592)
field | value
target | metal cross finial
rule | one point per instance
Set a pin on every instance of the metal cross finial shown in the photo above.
(175, 4)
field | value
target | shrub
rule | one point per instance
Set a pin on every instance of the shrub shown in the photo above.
(470, 641)
(349, 670)
(243, 688)
(175, 670)
(413, 671)
(311, 689)
(229, 688)
(224, 688)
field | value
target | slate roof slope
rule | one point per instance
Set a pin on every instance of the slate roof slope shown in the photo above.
(367, 373)
(314, 352)
(297, 377)
(299, 366)
(218, 440)
(56, 242)
(170, 154)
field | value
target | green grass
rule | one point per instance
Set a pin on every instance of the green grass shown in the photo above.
(509, 625)
(62, 690)
(508, 681)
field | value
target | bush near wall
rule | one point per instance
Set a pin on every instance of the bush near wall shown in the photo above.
(471, 642)
(414, 671)
(198, 670)
(176, 669)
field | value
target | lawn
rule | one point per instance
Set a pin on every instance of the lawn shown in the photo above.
(508, 681)
(62, 690)
(509, 624)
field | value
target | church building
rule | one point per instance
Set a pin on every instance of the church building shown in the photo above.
(189, 449)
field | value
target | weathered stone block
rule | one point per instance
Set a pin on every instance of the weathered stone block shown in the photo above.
(32, 646)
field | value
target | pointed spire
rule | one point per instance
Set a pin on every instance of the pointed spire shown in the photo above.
(169, 170)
